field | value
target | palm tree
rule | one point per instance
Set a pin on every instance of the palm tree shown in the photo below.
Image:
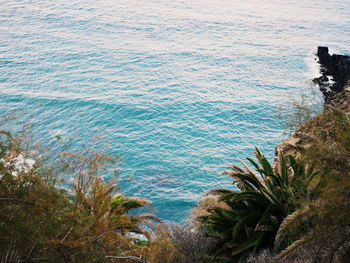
(254, 211)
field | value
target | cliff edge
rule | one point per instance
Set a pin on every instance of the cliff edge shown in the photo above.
(334, 83)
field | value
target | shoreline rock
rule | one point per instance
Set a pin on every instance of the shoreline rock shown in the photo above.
(334, 83)
(335, 72)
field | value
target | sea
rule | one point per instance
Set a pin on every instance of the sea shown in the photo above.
(179, 90)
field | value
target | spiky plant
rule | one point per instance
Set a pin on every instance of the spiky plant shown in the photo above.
(257, 206)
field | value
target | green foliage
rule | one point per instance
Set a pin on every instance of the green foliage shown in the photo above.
(258, 206)
(326, 217)
(41, 217)
(300, 110)
(65, 212)
(331, 147)
(319, 228)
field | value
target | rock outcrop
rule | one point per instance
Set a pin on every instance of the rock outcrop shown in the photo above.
(334, 83)
(335, 72)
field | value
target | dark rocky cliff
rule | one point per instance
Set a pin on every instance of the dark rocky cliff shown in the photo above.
(334, 83)
(335, 72)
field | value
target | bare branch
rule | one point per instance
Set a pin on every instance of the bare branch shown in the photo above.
(137, 259)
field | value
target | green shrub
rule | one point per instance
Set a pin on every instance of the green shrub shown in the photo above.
(258, 205)
(327, 236)
(46, 219)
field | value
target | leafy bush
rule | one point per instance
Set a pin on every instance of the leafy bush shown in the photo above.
(328, 215)
(258, 206)
(325, 218)
(47, 219)
(330, 148)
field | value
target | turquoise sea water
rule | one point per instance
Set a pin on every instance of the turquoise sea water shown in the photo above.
(179, 89)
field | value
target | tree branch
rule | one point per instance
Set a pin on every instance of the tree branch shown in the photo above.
(137, 259)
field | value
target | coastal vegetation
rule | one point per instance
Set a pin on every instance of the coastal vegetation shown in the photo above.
(63, 211)
(258, 208)
(296, 209)
(44, 217)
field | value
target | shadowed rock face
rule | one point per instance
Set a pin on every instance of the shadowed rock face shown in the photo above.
(335, 72)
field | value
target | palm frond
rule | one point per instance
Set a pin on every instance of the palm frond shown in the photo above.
(289, 222)
(257, 214)
(292, 247)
